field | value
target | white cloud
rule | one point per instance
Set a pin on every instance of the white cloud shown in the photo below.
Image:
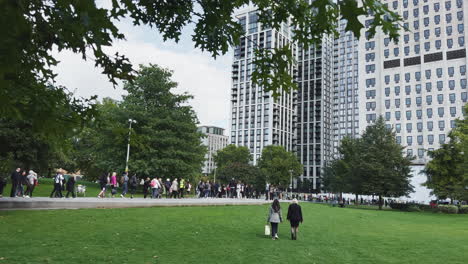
(196, 72)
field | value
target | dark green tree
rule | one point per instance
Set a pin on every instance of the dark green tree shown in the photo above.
(233, 162)
(164, 141)
(278, 165)
(447, 172)
(444, 171)
(385, 169)
(32, 29)
(232, 154)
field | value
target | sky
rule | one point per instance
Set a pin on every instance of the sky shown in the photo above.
(197, 73)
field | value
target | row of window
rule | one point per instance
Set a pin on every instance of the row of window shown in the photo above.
(448, 4)
(420, 139)
(419, 126)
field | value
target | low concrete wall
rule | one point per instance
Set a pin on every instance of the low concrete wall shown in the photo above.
(77, 203)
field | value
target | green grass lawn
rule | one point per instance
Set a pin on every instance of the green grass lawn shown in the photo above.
(230, 234)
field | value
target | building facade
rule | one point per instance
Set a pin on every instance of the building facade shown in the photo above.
(314, 108)
(257, 119)
(346, 86)
(419, 84)
(214, 140)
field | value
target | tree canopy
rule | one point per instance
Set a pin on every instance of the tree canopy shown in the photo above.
(278, 165)
(164, 141)
(447, 172)
(373, 164)
(33, 29)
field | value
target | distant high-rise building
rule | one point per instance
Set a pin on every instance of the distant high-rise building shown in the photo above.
(215, 140)
(314, 108)
(257, 119)
(346, 86)
(419, 84)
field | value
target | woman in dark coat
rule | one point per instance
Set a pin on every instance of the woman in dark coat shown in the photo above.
(71, 187)
(294, 217)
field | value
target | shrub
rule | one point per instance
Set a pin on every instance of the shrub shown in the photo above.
(408, 207)
(448, 209)
(463, 209)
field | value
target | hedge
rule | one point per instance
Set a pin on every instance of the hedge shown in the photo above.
(448, 209)
(463, 209)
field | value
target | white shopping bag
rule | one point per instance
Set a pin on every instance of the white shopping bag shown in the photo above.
(267, 230)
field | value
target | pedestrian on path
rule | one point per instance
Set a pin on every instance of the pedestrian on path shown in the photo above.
(71, 187)
(113, 182)
(174, 188)
(274, 218)
(294, 217)
(181, 188)
(15, 177)
(146, 186)
(155, 186)
(58, 180)
(124, 181)
(167, 185)
(133, 185)
(2, 186)
(103, 185)
(31, 180)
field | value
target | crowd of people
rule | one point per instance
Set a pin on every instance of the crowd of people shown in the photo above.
(22, 183)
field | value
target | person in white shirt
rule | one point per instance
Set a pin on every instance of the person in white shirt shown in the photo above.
(31, 182)
(155, 186)
(58, 180)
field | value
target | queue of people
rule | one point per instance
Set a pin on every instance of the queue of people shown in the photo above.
(234, 189)
(22, 183)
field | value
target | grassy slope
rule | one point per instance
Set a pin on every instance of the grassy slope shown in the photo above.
(229, 234)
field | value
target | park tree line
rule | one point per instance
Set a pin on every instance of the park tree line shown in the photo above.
(374, 164)
(164, 140)
(276, 166)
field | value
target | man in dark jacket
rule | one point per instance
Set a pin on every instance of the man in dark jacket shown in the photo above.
(15, 179)
(2, 185)
(294, 217)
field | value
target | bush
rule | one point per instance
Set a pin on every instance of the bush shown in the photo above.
(407, 207)
(463, 209)
(448, 209)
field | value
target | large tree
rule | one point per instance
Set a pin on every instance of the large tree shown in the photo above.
(234, 162)
(278, 165)
(33, 29)
(386, 169)
(164, 141)
(447, 172)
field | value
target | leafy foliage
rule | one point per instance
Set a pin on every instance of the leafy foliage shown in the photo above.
(372, 165)
(277, 165)
(164, 141)
(32, 29)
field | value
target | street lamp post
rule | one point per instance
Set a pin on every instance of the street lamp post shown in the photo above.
(291, 186)
(130, 121)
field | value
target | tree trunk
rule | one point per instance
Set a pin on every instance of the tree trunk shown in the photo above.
(357, 199)
(380, 202)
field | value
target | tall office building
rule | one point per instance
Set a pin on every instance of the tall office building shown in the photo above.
(346, 86)
(418, 84)
(314, 108)
(257, 120)
(214, 141)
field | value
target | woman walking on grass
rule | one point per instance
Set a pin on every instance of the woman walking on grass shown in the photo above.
(294, 217)
(274, 218)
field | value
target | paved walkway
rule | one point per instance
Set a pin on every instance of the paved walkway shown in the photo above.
(39, 203)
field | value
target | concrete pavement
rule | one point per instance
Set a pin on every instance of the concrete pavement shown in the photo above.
(38, 203)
